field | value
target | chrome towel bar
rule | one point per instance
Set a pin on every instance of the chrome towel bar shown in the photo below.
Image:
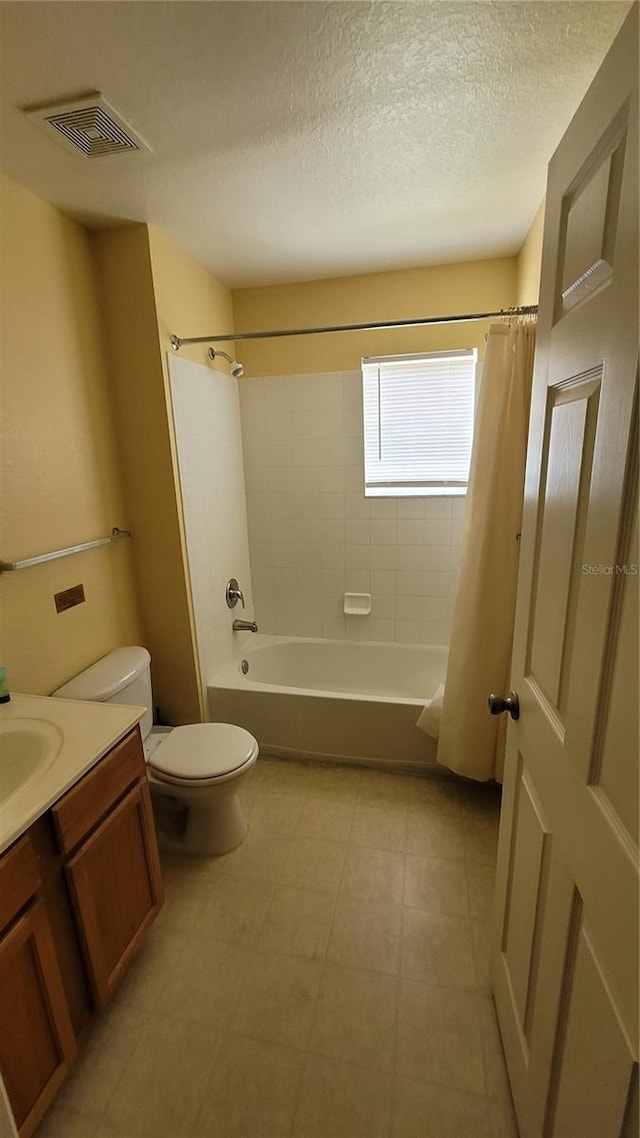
(115, 535)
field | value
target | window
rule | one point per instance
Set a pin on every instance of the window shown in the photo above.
(418, 423)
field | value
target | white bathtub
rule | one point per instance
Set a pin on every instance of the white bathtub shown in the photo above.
(332, 699)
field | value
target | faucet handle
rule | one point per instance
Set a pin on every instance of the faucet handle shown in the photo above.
(233, 593)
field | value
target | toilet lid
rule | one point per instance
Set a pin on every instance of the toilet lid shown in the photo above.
(203, 750)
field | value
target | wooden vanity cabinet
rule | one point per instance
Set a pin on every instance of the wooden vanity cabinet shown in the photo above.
(37, 1040)
(78, 893)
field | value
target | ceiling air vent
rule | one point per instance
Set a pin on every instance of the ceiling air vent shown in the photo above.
(89, 126)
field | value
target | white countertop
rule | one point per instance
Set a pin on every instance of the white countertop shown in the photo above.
(87, 732)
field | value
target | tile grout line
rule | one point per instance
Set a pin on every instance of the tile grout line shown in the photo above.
(227, 1031)
(396, 1048)
(320, 982)
(241, 987)
(306, 1051)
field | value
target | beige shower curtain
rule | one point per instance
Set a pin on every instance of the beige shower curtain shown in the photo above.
(470, 741)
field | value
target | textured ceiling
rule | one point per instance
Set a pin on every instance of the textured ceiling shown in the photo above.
(300, 140)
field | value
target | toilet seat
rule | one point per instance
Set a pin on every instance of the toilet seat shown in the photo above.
(201, 754)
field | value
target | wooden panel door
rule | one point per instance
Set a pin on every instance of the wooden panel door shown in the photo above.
(116, 884)
(37, 1042)
(565, 953)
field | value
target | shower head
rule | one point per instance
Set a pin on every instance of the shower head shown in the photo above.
(237, 369)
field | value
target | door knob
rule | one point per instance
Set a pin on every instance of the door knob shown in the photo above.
(498, 704)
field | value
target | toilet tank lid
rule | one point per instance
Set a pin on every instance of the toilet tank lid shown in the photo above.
(107, 676)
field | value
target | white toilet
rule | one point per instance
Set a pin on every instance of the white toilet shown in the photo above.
(201, 766)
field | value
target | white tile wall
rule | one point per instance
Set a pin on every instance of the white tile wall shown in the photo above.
(313, 534)
(206, 413)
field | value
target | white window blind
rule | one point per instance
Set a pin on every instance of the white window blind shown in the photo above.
(418, 423)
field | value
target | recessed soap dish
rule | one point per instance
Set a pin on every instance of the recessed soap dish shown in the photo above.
(357, 604)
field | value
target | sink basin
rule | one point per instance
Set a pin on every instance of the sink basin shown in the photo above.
(27, 749)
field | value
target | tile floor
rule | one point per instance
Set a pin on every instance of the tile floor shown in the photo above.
(328, 979)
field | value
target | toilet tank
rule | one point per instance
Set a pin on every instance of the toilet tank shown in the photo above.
(124, 676)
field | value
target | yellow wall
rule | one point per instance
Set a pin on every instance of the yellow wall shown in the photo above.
(60, 466)
(530, 260)
(123, 262)
(189, 300)
(151, 289)
(431, 291)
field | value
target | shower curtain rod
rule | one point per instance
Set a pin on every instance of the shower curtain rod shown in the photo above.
(522, 310)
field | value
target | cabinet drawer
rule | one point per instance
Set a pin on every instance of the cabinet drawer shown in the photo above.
(82, 807)
(19, 879)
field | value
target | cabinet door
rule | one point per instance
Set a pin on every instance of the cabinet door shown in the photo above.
(116, 884)
(82, 807)
(37, 1043)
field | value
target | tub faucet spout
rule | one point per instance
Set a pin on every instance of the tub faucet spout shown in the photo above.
(244, 626)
